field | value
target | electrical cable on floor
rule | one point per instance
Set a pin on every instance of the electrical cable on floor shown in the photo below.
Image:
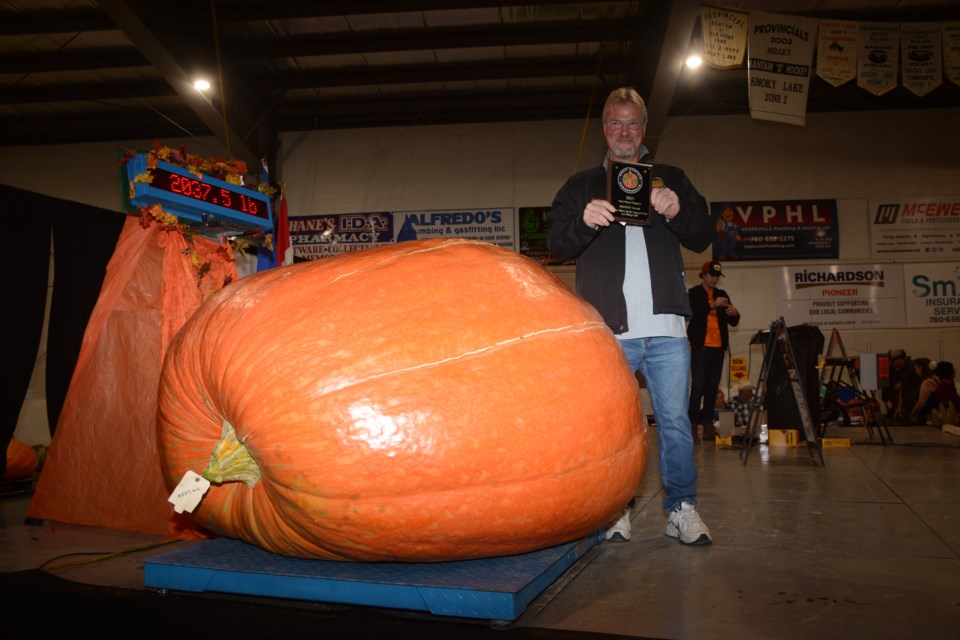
(100, 555)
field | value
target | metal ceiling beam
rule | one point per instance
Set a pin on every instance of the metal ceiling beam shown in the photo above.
(556, 67)
(85, 19)
(15, 23)
(490, 35)
(119, 57)
(527, 68)
(244, 10)
(509, 106)
(170, 68)
(84, 91)
(566, 32)
(676, 38)
(113, 125)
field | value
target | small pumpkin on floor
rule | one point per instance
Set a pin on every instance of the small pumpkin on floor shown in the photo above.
(22, 461)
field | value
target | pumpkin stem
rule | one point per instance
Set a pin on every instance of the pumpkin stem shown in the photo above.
(231, 460)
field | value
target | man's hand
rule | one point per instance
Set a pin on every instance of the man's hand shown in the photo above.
(598, 213)
(665, 202)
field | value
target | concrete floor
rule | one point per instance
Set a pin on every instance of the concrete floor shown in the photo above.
(865, 546)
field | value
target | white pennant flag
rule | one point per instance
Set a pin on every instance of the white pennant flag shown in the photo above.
(877, 56)
(723, 37)
(837, 51)
(779, 66)
(951, 51)
(922, 59)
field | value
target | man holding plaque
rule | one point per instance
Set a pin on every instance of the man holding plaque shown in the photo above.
(630, 268)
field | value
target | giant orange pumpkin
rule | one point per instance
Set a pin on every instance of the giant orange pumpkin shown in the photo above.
(426, 401)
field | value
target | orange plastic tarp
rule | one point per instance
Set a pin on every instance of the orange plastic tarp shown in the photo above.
(103, 467)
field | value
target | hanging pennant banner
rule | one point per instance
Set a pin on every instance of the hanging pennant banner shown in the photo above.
(951, 51)
(922, 61)
(779, 66)
(837, 51)
(877, 56)
(723, 35)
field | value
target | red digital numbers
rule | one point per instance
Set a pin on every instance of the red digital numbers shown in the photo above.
(248, 205)
(205, 192)
(190, 188)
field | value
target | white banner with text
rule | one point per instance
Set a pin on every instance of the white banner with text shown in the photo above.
(904, 228)
(842, 296)
(779, 66)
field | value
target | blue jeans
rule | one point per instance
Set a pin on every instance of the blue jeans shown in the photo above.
(665, 364)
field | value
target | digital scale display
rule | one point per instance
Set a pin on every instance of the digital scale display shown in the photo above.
(212, 205)
(208, 193)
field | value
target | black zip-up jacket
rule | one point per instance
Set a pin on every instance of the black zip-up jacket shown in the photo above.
(600, 255)
(697, 329)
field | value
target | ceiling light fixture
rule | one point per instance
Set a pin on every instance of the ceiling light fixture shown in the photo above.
(201, 85)
(694, 61)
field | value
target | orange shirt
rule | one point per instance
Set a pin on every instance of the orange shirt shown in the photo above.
(713, 325)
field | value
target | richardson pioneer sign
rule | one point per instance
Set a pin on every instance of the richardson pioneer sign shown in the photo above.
(851, 296)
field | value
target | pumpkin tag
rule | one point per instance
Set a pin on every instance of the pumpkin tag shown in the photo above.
(187, 495)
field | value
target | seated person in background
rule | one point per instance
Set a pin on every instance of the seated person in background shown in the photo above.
(926, 392)
(719, 404)
(891, 394)
(947, 389)
(909, 385)
(742, 403)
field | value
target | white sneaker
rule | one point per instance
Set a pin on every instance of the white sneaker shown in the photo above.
(620, 530)
(685, 523)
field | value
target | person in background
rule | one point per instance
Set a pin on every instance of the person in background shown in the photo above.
(926, 392)
(709, 338)
(947, 389)
(742, 404)
(909, 387)
(891, 394)
(719, 404)
(634, 276)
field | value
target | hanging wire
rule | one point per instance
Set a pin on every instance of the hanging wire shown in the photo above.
(223, 99)
(586, 117)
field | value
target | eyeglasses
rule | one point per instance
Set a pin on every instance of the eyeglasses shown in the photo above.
(618, 125)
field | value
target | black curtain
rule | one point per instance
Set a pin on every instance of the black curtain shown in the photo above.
(84, 238)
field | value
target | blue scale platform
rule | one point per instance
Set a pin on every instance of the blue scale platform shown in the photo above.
(493, 588)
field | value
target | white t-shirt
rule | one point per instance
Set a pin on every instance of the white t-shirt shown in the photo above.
(642, 321)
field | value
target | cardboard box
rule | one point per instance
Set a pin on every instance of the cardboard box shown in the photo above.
(835, 443)
(783, 437)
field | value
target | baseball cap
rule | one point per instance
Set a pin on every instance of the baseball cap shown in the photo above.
(712, 267)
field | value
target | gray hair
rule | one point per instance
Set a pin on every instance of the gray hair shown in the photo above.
(621, 96)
